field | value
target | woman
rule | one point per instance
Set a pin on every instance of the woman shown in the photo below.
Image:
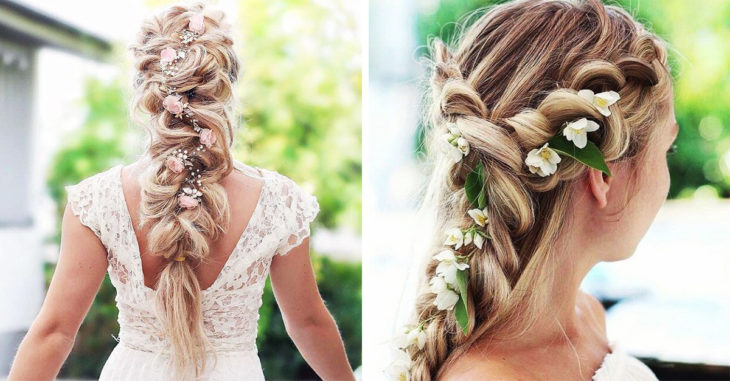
(187, 233)
(551, 121)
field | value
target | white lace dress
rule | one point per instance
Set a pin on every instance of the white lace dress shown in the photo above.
(280, 221)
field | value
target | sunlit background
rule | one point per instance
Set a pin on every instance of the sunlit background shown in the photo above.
(65, 78)
(670, 303)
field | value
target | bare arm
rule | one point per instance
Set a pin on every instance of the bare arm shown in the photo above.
(307, 320)
(81, 267)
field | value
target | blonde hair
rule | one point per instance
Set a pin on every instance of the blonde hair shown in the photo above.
(204, 78)
(509, 84)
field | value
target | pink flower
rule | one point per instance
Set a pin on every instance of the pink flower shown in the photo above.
(196, 23)
(167, 55)
(207, 137)
(172, 104)
(186, 201)
(175, 164)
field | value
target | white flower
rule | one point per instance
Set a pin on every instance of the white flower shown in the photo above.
(478, 240)
(456, 146)
(479, 216)
(463, 146)
(451, 151)
(454, 237)
(412, 336)
(468, 237)
(600, 100)
(576, 131)
(448, 266)
(543, 161)
(446, 297)
(400, 367)
(417, 337)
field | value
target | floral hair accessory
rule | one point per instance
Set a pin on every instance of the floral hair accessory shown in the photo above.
(451, 276)
(172, 104)
(174, 164)
(543, 161)
(601, 100)
(576, 131)
(573, 141)
(456, 146)
(197, 24)
(189, 196)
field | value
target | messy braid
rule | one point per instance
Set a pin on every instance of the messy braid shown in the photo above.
(508, 85)
(204, 80)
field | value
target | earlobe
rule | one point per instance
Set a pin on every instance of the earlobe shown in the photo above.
(599, 184)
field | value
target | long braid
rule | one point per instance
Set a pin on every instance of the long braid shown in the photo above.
(188, 97)
(505, 101)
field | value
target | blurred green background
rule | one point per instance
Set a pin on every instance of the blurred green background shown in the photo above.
(698, 33)
(300, 105)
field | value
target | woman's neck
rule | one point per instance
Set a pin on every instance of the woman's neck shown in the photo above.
(560, 307)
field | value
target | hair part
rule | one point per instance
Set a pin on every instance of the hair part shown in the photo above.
(509, 83)
(204, 79)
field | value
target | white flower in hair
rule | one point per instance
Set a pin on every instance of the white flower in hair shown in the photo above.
(446, 294)
(478, 240)
(472, 236)
(400, 367)
(479, 216)
(463, 146)
(449, 265)
(413, 336)
(576, 131)
(455, 238)
(600, 100)
(455, 147)
(543, 161)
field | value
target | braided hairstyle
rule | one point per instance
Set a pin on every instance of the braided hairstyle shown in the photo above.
(204, 79)
(509, 84)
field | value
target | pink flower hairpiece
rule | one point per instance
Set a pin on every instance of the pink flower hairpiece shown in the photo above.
(180, 159)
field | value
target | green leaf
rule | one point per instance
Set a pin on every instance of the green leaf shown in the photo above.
(460, 311)
(589, 155)
(474, 187)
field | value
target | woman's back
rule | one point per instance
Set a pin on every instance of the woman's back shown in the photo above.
(243, 190)
(270, 215)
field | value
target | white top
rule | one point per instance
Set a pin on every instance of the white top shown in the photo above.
(619, 366)
(280, 222)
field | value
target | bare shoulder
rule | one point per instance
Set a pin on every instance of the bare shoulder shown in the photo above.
(594, 307)
(477, 365)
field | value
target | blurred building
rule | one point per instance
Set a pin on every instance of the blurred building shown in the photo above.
(23, 31)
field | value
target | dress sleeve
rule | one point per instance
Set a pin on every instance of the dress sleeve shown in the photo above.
(300, 209)
(81, 200)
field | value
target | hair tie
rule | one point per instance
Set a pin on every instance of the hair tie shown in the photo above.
(180, 258)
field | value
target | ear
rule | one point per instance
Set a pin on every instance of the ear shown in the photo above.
(599, 184)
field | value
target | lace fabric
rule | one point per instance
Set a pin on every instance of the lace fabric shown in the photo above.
(280, 222)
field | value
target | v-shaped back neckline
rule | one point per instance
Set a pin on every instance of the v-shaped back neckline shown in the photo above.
(137, 254)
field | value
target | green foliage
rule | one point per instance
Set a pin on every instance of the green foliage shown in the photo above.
(474, 187)
(460, 310)
(301, 95)
(340, 287)
(589, 155)
(96, 146)
(698, 59)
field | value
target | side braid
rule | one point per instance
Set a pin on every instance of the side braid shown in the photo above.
(504, 102)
